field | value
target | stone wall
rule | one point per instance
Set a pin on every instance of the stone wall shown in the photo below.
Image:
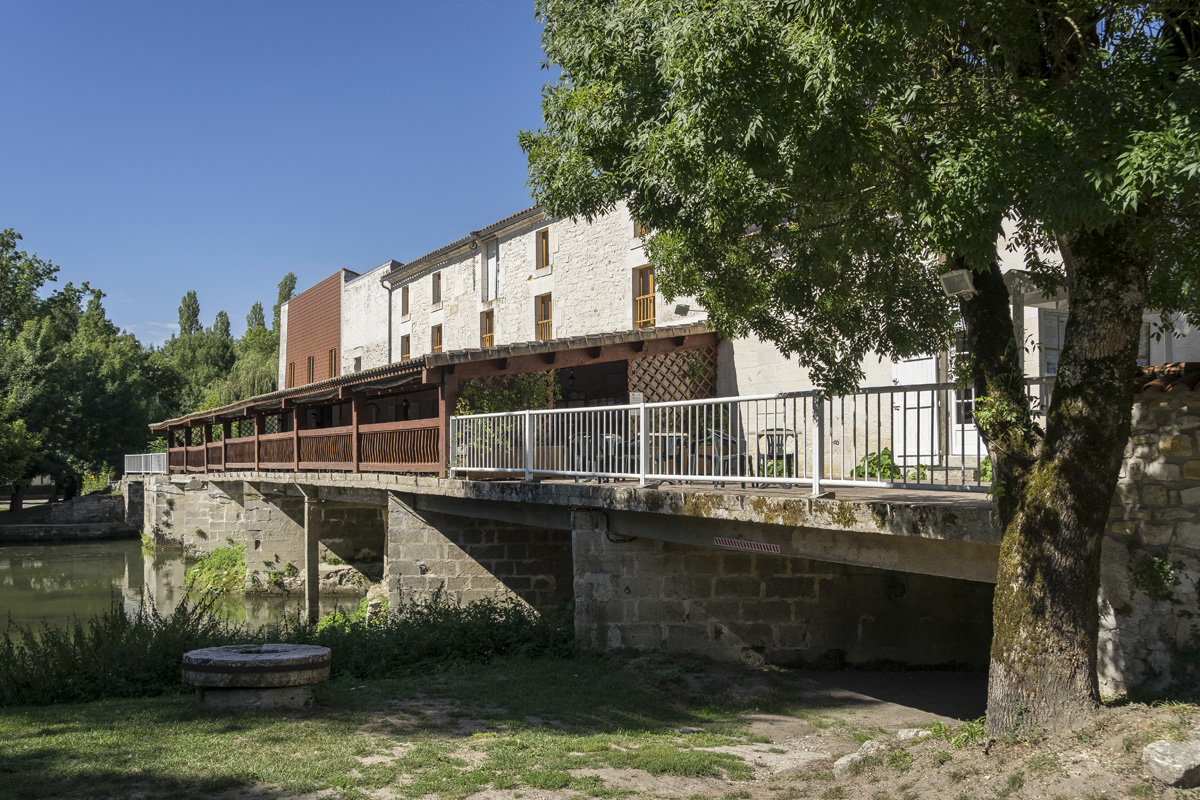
(1150, 617)
(90, 508)
(590, 281)
(133, 493)
(472, 559)
(196, 515)
(648, 594)
(274, 537)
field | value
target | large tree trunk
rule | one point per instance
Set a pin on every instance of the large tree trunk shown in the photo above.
(1045, 616)
(16, 501)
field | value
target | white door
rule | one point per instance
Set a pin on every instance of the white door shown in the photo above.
(914, 414)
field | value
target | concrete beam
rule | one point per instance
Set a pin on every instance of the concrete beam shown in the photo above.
(947, 559)
(537, 516)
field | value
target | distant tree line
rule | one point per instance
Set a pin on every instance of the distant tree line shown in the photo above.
(77, 392)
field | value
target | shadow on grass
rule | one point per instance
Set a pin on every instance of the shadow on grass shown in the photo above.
(166, 747)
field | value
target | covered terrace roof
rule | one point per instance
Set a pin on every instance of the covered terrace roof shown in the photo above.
(432, 368)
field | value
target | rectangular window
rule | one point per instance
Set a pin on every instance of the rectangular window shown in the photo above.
(404, 301)
(643, 298)
(404, 350)
(291, 374)
(543, 248)
(487, 329)
(311, 368)
(639, 230)
(491, 272)
(542, 317)
(437, 288)
(333, 364)
(964, 396)
(358, 363)
(435, 339)
(1053, 326)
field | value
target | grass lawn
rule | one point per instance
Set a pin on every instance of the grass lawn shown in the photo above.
(507, 725)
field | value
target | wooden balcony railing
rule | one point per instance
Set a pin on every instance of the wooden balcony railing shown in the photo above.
(239, 453)
(400, 446)
(196, 459)
(326, 448)
(275, 451)
(412, 446)
(215, 455)
(644, 311)
(545, 331)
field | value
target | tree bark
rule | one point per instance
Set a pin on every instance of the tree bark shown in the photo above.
(1045, 615)
(16, 501)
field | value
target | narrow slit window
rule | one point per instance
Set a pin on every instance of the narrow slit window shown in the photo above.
(404, 347)
(404, 301)
(437, 288)
(311, 367)
(543, 248)
(435, 339)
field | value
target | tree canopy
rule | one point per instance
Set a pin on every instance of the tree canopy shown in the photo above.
(806, 165)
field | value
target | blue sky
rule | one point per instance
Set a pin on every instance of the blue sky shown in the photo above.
(152, 148)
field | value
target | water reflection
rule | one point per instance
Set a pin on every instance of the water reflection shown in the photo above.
(54, 582)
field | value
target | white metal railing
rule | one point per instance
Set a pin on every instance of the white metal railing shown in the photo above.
(146, 463)
(920, 436)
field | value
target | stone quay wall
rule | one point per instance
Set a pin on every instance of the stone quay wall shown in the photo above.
(1149, 613)
(198, 515)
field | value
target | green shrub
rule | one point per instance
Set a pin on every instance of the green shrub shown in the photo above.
(223, 570)
(879, 466)
(118, 654)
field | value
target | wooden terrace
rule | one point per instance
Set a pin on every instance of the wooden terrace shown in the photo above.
(393, 418)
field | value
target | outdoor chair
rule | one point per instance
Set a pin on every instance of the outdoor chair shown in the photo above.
(719, 453)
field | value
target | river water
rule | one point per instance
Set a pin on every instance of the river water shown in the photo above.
(54, 582)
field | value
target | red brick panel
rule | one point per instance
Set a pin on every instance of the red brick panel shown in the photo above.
(314, 327)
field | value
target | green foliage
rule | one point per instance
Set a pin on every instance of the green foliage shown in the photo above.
(985, 470)
(112, 655)
(879, 466)
(119, 654)
(221, 571)
(98, 481)
(968, 734)
(1155, 575)
(287, 288)
(509, 393)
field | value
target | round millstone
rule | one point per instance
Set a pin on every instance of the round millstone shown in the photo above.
(255, 666)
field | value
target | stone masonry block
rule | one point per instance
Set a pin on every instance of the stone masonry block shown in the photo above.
(1175, 446)
(1191, 471)
(787, 588)
(1190, 497)
(1162, 471)
(737, 587)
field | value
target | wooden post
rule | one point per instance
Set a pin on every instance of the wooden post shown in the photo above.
(260, 422)
(297, 416)
(207, 441)
(226, 432)
(356, 410)
(447, 397)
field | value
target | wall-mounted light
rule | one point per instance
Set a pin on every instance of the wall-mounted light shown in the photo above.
(958, 283)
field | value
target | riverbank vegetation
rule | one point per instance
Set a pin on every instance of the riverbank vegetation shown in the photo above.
(77, 393)
(122, 654)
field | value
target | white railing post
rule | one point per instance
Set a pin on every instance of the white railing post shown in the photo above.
(451, 448)
(528, 446)
(818, 445)
(643, 440)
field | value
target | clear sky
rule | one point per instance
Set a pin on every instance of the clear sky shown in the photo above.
(155, 147)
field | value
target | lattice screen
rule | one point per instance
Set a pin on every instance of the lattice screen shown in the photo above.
(681, 375)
